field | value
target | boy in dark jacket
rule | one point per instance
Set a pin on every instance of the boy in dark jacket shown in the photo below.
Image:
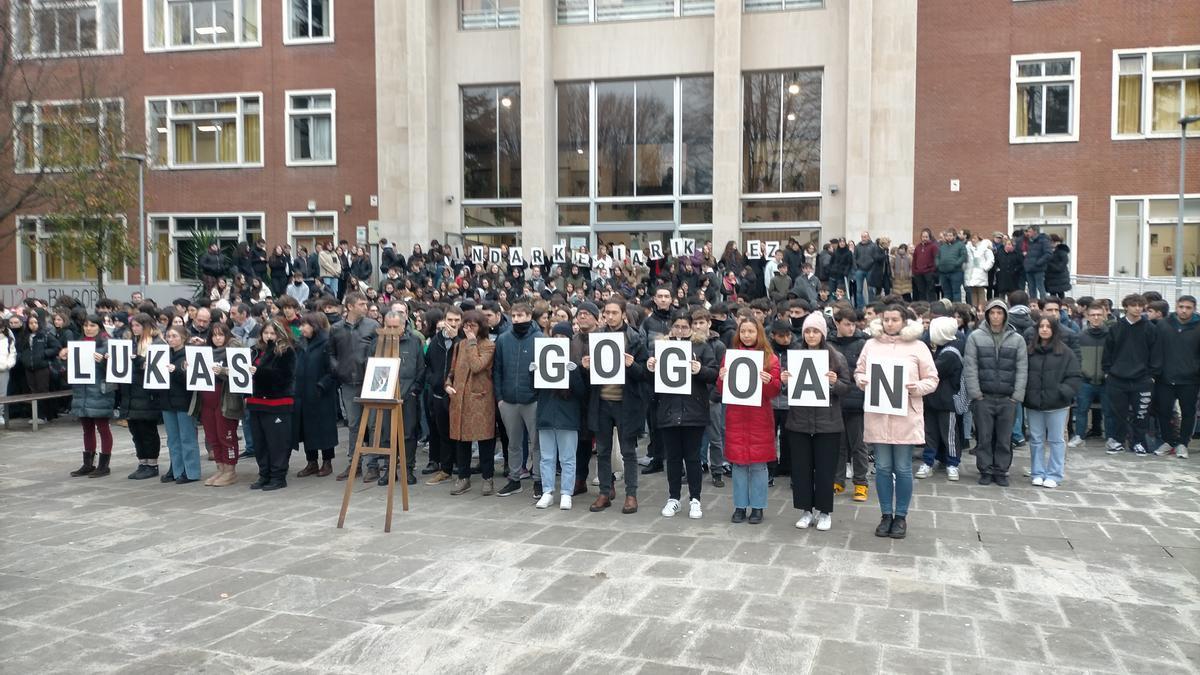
(849, 341)
(1131, 362)
(714, 436)
(1179, 344)
(943, 426)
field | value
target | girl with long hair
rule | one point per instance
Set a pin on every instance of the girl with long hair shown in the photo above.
(141, 408)
(177, 415)
(1054, 380)
(274, 373)
(221, 410)
(92, 405)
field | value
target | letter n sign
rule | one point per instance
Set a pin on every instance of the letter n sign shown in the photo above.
(886, 393)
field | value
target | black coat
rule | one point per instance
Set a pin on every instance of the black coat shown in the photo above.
(1054, 379)
(687, 410)
(634, 401)
(824, 420)
(314, 418)
(275, 375)
(37, 351)
(138, 403)
(178, 398)
(841, 264)
(850, 348)
(1058, 271)
(1010, 271)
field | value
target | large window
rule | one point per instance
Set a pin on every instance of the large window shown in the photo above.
(1051, 215)
(177, 241)
(191, 133)
(1153, 89)
(48, 28)
(1044, 98)
(67, 134)
(592, 11)
(635, 151)
(777, 5)
(312, 128)
(485, 14)
(312, 230)
(201, 24)
(491, 157)
(781, 147)
(307, 21)
(37, 265)
(1143, 241)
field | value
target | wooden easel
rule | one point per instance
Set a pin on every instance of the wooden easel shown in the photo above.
(387, 345)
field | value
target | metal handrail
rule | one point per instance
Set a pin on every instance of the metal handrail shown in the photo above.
(1115, 288)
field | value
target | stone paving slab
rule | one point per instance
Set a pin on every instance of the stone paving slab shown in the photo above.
(111, 575)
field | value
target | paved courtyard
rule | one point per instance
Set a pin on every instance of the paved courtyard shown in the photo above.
(104, 575)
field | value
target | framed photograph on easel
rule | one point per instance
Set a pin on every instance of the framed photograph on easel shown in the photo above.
(381, 378)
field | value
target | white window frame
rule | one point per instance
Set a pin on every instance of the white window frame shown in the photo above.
(287, 119)
(592, 15)
(18, 151)
(1015, 80)
(152, 237)
(291, 225)
(238, 42)
(100, 31)
(750, 7)
(170, 164)
(1143, 230)
(287, 25)
(1072, 222)
(40, 277)
(483, 20)
(1147, 55)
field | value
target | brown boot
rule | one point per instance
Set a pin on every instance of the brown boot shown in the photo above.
(212, 480)
(309, 469)
(602, 502)
(630, 505)
(344, 475)
(326, 468)
(228, 477)
(580, 488)
(461, 486)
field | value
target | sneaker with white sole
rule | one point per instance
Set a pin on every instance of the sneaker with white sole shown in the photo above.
(1181, 451)
(564, 502)
(805, 522)
(644, 460)
(1112, 446)
(671, 508)
(546, 500)
(952, 473)
(1038, 481)
(1075, 442)
(595, 480)
(849, 471)
(694, 510)
(1140, 450)
(824, 522)
(1164, 450)
(924, 471)
(1050, 483)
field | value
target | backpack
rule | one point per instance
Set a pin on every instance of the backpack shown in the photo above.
(961, 404)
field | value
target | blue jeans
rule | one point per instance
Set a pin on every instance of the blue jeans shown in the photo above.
(750, 486)
(181, 444)
(332, 283)
(1018, 430)
(1088, 393)
(862, 294)
(952, 285)
(1036, 284)
(247, 437)
(558, 444)
(893, 463)
(1046, 429)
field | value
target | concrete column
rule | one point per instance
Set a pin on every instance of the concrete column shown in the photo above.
(538, 125)
(727, 122)
(859, 55)
(391, 80)
(424, 187)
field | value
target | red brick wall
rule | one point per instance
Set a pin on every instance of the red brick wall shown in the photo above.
(964, 54)
(347, 65)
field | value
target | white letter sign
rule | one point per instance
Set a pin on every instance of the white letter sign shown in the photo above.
(673, 367)
(754, 249)
(772, 247)
(808, 382)
(158, 357)
(608, 357)
(238, 361)
(637, 257)
(742, 384)
(558, 253)
(886, 393)
(656, 250)
(477, 255)
(537, 257)
(200, 375)
(494, 256)
(81, 362)
(619, 253)
(120, 362)
(515, 259)
(550, 358)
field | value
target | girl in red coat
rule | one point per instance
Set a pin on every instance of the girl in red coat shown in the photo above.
(750, 430)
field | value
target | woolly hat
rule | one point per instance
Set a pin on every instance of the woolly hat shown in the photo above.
(590, 308)
(817, 320)
(562, 328)
(943, 330)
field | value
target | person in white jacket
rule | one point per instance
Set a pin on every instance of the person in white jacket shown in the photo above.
(980, 259)
(8, 356)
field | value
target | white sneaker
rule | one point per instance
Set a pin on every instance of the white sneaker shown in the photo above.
(694, 510)
(952, 473)
(546, 500)
(924, 471)
(824, 522)
(1027, 473)
(805, 522)
(1075, 442)
(1164, 450)
(671, 508)
(1181, 451)
(849, 471)
(595, 480)
(616, 477)
(1113, 446)
(1038, 481)
(1049, 483)
(644, 460)
(564, 502)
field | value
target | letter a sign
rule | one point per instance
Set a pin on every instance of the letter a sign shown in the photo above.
(886, 393)
(550, 358)
(808, 383)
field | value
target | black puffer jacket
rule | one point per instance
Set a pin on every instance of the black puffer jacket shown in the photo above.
(691, 410)
(274, 376)
(178, 398)
(824, 420)
(1054, 378)
(949, 369)
(137, 402)
(1058, 270)
(37, 351)
(850, 348)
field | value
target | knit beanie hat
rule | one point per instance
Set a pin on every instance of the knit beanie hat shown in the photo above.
(589, 307)
(817, 320)
(562, 328)
(943, 330)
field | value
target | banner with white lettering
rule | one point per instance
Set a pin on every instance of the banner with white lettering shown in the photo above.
(754, 249)
(81, 362)
(550, 358)
(808, 379)
(119, 362)
(886, 393)
(672, 367)
(156, 375)
(200, 376)
(237, 364)
(742, 385)
(607, 351)
(656, 249)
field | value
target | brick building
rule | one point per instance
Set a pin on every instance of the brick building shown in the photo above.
(1062, 113)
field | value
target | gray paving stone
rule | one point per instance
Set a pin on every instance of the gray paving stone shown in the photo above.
(837, 656)
(946, 633)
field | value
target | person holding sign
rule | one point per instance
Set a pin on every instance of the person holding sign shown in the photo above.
(141, 408)
(221, 409)
(92, 404)
(750, 430)
(177, 418)
(274, 375)
(895, 337)
(558, 417)
(814, 425)
(682, 414)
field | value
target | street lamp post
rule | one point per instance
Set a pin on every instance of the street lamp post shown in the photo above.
(141, 161)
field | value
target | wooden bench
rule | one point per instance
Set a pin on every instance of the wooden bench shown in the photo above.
(32, 400)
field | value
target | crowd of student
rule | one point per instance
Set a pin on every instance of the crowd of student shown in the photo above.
(998, 373)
